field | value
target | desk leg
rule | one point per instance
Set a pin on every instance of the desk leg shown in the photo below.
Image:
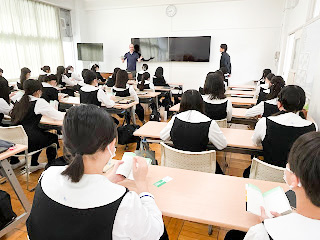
(133, 116)
(157, 102)
(7, 172)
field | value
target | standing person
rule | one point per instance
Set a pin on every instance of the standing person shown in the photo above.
(132, 57)
(225, 58)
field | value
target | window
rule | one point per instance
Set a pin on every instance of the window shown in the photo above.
(29, 37)
(316, 8)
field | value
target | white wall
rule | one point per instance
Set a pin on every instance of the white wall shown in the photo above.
(251, 28)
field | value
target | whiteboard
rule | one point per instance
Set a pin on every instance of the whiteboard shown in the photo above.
(309, 57)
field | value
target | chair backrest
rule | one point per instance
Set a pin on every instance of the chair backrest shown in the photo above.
(196, 161)
(223, 123)
(15, 134)
(264, 171)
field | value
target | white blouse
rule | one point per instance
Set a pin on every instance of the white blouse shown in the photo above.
(102, 96)
(215, 135)
(292, 226)
(132, 92)
(206, 98)
(137, 218)
(286, 119)
(5, 108)
(45, 109)
(259, 109)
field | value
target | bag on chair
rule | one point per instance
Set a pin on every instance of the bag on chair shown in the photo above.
(6, 213)
(125, 134)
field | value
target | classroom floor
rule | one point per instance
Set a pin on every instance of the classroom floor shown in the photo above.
(177, 229)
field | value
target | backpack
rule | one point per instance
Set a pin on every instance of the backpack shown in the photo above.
(125, 134)
(6, 213)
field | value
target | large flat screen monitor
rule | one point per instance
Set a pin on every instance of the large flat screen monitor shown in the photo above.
(90, 52)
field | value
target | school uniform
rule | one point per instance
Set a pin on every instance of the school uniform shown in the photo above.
(93, 208)
(99, 77)
(139, 75)
(292, 226)
(37, 137)
(93, 95)
(110, 82)
(264, 108)
(262, 91)
(5, 108)
(277, 134)
(217, 109)
(147, 85)
(192, 130)
(126, 92)
(159, 81)
(49, 92)
(17, 96)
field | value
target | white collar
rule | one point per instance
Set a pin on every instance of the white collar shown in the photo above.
(45, 84)
(33, 98)
(193, 116)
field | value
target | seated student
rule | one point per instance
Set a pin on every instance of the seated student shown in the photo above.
(49, 92)
(302, 174)
(91, 94)
(24, 75)
(28, 112)
(145, 82)
(158, 79)
(45, 70)
(191, 130)
(144, 69)
(95, 69)
(112, 79)
(264, 75)
(71, 74)
(65, 80)
(81, 200)
(270, 106)
(264, 89)
(121, 88)
(5, 104)
(217, 106)
(277, 133)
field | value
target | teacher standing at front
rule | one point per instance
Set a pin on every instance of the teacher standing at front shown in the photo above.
(132, 57)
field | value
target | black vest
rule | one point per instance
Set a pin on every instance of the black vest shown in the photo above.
(262, 95)
(1, 117)
(216, 111)
(279, 140)
(188, 136)
(269, 109)
(51, 220)
(31, 121)
(121, 93)
(90, 97)
(50, 94)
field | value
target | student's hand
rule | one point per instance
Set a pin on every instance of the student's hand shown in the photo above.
(264, 215)
(60, 97)
(140, 171)
(112, 176)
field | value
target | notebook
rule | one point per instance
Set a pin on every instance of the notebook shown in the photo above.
(274, 200)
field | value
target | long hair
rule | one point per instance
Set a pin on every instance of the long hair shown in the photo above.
(265, 73)
(292, 98)
(60, 71)
(122, 79)
(4, 89)
(214, 86)
(277, 83)
(87, 129)
(21, 108)
(23, 75)
(159, 72)
(145, 76)
(114, 74)
(191, 100)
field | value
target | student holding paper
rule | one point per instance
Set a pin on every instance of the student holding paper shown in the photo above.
(81, 200)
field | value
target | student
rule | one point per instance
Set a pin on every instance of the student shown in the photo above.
(302, 174)
(158, 79)
(217, 106)
(24, 75)
(263, 90)
(191, 129)
(121, 88)
(264, 75)
(277, 133)
(71, 74)
(28, 112)
(49, 92)
(5, 104)
(45, 70)
(63, 78)
(144, 69)
(145, 82)
(91, 94)
(112, 79)
(81, 200)
(270, 106)
(95, 69)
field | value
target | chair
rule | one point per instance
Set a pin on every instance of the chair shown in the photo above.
(196, 161)
(265, 171)
(17, 135)
(223, 123)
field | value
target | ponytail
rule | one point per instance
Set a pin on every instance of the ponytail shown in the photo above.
(75, 169)
(145, 76)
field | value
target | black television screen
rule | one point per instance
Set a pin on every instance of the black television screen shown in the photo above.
(189, 49)
(156, 49)
(90, 51)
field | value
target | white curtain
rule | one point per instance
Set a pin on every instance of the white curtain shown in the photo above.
(29, 37)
